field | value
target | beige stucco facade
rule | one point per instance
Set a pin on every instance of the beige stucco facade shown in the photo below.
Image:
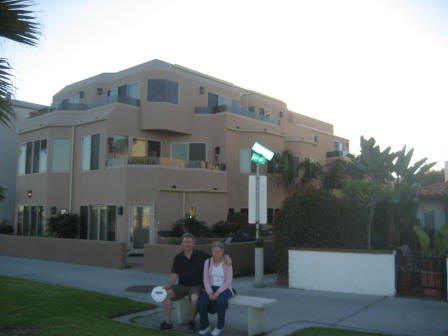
(159, 181)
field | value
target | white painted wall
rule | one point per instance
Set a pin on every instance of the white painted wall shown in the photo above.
(345, 272)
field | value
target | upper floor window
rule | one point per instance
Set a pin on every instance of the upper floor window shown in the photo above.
(90, 152)
(246, 164)
(33, 157)
(338, 146)
(314, 138)
(61, 155)
(189, 151)
(261, 111)
(162, 90)
(120, 146)
(216, 103)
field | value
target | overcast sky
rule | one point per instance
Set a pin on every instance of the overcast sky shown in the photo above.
(377, 68)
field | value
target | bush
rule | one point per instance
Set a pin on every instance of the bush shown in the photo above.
(191, 225)
(224, 229)
(64, 226)
(6, 227)
(317, 218)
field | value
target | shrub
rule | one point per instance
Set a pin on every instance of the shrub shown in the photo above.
(64, 226)
(6, 227)
(191, 225)
(224, 229)
(316, 218)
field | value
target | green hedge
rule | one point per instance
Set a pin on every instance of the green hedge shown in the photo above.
(316, 218)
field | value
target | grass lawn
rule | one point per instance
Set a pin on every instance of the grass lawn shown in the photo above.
(331, 332)
(37, 309)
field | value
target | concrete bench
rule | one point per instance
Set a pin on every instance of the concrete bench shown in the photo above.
(256, 307)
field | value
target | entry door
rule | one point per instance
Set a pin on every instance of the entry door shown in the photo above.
(142, 218)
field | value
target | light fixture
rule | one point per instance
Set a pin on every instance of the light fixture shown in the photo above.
(29, 193)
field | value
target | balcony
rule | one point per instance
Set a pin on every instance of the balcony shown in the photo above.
(336, 154)
(164, 162)
(240, 110)
(65, 106)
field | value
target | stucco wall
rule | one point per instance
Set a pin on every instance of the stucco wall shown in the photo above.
(345, 271)
(77, 251)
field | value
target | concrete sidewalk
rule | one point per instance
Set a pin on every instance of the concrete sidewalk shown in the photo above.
(296, 309)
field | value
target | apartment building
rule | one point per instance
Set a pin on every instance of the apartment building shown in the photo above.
(8, 154)
(132, 152)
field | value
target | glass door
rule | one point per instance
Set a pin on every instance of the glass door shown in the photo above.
(142, 217)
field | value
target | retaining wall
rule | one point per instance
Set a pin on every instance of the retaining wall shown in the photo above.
(77, 251)
(345, 271)
(159, 258)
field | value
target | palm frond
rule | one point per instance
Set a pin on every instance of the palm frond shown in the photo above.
(6, 91)
(17, 22)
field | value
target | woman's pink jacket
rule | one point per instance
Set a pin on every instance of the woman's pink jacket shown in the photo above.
(228, 277)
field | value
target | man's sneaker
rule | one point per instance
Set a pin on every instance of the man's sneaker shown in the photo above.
(205, 331)
(191, 326)
(165, 325)
(216, 332)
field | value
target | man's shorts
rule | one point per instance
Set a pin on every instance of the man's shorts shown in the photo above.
(182, 291)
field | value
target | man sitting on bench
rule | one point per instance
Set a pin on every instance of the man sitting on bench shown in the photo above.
(188, 267)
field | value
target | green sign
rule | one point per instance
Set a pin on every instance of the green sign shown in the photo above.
(258, 158)
(263, 151)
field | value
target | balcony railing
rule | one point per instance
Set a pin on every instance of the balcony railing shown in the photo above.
(65, 106)
(336, 154)
(163, 161)
(240, 110)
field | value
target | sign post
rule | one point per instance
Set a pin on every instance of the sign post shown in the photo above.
(258, 206)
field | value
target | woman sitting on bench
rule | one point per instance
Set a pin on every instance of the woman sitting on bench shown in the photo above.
(218, 287)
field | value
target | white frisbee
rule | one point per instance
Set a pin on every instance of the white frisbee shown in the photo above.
(158, 294)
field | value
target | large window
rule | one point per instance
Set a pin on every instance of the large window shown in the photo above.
(98, 222)
(90, 152)
(60, 162)
(128, 90)
(162, 90)
(217, 103)
(33, 157)
(189, 151)
(30, 220)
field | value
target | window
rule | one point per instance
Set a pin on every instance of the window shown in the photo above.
(189, 151)
(138, 148)
(162, 90)
(98, 222)
(261, 111)
(33, 157)
(315, 138)
(90, 152)
(430, 219)
(60, 162)
(217, 103)
(251, 109)
(245, 162)
(30, 220)
(120, 146)
(338, 146)
(128, 90)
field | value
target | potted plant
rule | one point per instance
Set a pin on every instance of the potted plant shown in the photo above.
(431, 279)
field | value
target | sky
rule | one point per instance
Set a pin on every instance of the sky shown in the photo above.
(372, 68)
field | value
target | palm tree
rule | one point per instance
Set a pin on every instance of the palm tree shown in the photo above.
(286, 165)
(18, 24)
